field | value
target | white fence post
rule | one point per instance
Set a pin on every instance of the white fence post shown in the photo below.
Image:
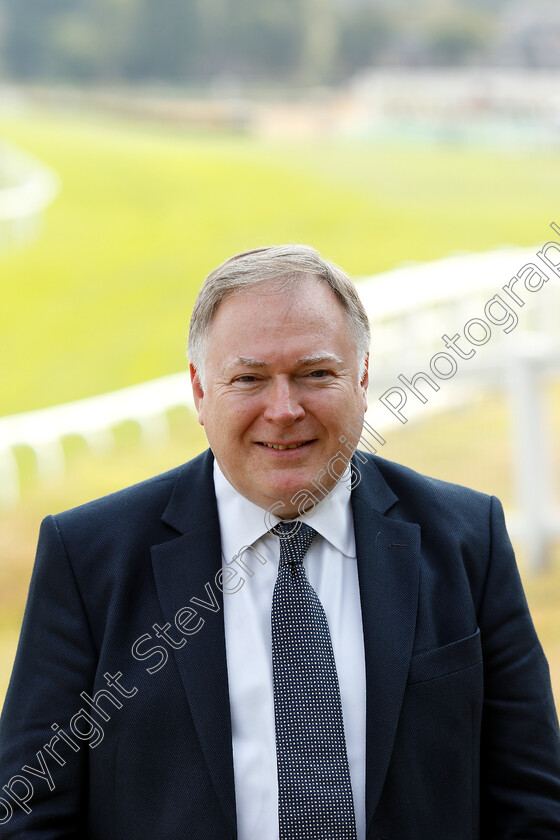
(530, 449)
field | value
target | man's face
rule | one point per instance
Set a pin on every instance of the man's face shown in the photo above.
(281, 371)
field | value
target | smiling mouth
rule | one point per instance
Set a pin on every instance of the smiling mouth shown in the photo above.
(281, 446)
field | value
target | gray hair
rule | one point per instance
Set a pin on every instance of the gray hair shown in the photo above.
(283, 266)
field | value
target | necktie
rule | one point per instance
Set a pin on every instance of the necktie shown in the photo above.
(314, 792)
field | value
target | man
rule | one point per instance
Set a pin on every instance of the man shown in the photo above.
(195, 663)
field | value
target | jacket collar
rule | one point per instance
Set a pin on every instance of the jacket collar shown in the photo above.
(193, 501)
(195, 483)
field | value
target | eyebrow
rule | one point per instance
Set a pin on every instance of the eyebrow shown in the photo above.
(316, 358)
(319, 357)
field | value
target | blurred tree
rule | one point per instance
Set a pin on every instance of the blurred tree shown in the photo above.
(457, 35)
(452, 43)
(363, 34)
(320, 41)
(165, 40)
(29, 32)
(309, 41)
(266, 38)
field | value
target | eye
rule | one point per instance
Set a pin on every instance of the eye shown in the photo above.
(320, 374)
(245, 379)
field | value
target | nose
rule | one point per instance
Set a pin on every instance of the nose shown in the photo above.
(283, 406)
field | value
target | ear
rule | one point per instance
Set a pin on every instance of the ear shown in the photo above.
(365, 382)
(198, 393)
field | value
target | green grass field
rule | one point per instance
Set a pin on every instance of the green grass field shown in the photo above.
(102, 299)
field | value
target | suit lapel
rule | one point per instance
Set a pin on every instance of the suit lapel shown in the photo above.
(185, 568)
(388, 554)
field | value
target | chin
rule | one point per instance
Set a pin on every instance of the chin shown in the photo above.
(298, 490)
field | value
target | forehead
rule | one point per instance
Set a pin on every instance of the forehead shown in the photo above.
(307, 299)
(309, 308)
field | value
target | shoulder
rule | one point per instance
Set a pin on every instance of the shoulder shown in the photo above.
(431, 502)
(408, 484)
(145, 493)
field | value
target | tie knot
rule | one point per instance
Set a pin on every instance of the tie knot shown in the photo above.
(295, 539)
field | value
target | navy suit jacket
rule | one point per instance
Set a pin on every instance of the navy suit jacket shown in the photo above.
(462, 736)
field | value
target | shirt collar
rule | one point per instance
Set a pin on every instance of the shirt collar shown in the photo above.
(242, 522)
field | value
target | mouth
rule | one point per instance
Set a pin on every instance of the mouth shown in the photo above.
(281, 447)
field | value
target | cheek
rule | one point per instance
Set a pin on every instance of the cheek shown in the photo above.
(336, 410)
(232, 418)
(344, 422)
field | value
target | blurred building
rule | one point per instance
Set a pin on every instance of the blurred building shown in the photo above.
(484, 105)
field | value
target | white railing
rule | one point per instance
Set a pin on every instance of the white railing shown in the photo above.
(92, 419)
(29, 188)
(410, 308)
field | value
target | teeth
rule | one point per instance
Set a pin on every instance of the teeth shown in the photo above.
(277, 446)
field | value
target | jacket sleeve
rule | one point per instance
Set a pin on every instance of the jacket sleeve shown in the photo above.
(43, 784)
(520, 742)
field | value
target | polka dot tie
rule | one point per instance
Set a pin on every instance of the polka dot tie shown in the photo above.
(314, 791)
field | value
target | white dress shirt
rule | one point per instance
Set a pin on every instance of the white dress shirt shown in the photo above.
(331, 568)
